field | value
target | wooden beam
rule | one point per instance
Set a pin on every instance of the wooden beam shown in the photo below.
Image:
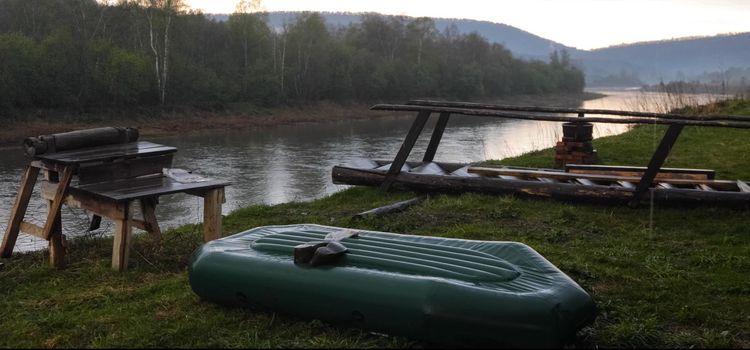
(122, 237)
(578, 111)
(212, 214)
(148, 207)
(557, 118)
(52, 231)
(57, 201)
(28, 179)
(32, 229)
(406, 147)
(437, 135)
(657, 160)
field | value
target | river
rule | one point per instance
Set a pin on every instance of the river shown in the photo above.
(293, 162)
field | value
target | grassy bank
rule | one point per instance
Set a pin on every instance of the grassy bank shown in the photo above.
(678, 280)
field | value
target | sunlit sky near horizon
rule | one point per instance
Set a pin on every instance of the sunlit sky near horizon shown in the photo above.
(584, 24)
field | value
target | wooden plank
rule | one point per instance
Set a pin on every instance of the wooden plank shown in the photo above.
(437, 135)
(657, 160)
(744, 187)
(54, 208)
(28, 179)
(130, 189)
(110, 152)
(82, 200)
(122, 237)
(630, 171)
(212, 214)
(406, 147)
(390, 208)
(719, 184)
(32, 229)
(123, 169)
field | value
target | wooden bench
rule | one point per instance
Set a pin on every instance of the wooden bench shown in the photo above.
(108, 181)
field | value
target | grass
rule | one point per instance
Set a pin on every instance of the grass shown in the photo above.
(679, 281)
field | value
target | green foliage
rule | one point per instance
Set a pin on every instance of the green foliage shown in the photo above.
(85, 54)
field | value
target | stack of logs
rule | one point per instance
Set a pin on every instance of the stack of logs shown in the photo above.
(576, 147)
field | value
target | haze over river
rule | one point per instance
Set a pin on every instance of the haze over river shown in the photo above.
(293, 162)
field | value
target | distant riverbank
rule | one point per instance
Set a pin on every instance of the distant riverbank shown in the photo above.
(166, 121)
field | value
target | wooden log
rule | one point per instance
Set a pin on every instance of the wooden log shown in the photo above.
(745, 124)
(579, 111)
(34, 146)
(390, 208)
(28, 179)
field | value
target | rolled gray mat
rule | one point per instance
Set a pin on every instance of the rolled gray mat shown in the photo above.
(34, 146)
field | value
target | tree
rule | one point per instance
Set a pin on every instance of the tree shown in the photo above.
(159, 14)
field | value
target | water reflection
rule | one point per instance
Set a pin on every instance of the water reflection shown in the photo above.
(293, 163)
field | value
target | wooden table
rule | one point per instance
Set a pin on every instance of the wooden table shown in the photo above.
(107, 180)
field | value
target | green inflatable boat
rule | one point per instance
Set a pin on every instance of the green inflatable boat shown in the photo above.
(447, 291)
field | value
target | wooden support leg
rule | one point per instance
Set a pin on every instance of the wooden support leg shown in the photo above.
(148, 207)
(53, 226)
(657, 160)
(122, 236)
(437, 135)
(212, 201)
(19, 210)
(96, 222)
(406, 147)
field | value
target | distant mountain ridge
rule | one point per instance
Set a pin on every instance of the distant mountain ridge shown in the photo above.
(625, 64)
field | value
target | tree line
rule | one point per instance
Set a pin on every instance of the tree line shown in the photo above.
(83, 54)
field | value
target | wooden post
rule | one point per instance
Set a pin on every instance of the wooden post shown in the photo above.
(19, 210)
(406, 147)
(53, 226)
(122, 237)
(212, 201)
(437, 135)
(657, 160)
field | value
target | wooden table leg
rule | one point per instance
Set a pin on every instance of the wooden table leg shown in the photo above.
(122, 236)
(19, 210)
(53, 225)
(212, 202)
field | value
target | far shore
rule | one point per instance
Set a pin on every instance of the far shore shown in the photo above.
(157, 121)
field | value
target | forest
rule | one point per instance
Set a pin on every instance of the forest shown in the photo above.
(86, 55)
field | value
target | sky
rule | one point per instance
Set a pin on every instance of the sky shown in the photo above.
(584, 24)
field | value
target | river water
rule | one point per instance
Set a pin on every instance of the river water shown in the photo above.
(293, 162)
